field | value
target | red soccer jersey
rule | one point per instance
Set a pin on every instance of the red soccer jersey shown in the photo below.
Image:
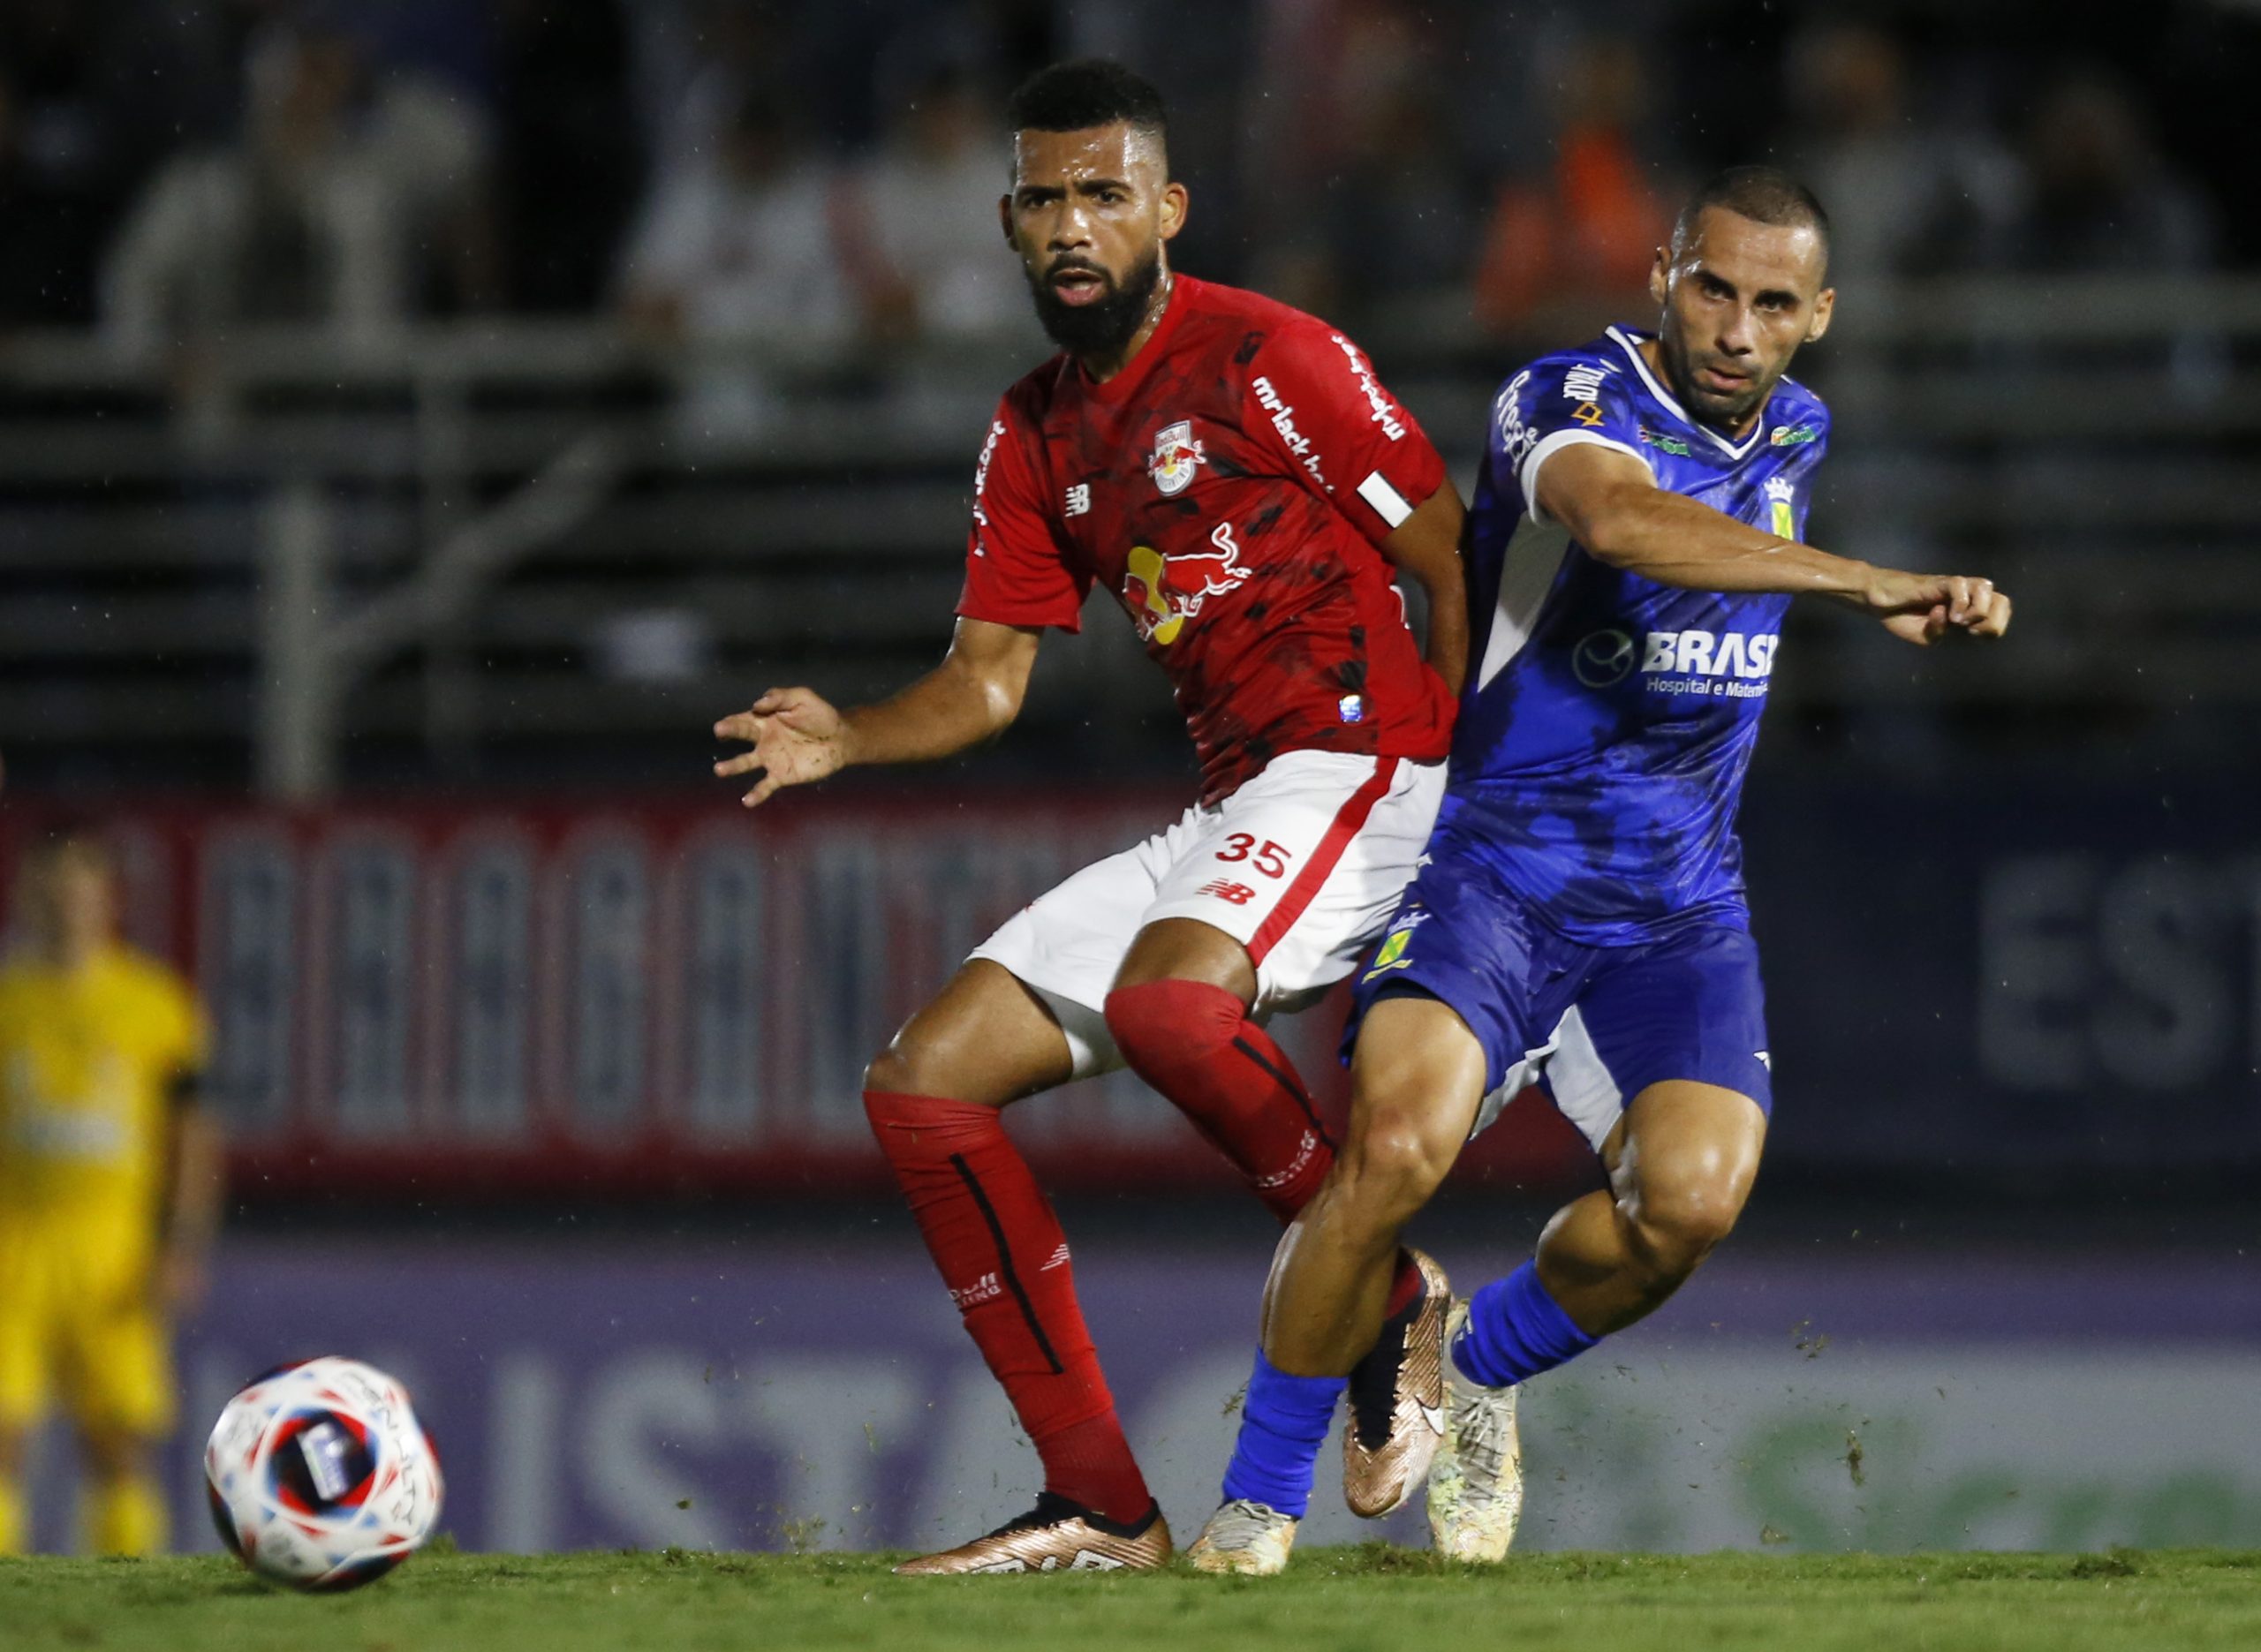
(1229, 486)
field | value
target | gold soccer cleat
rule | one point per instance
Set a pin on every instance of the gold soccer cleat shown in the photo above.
(1055, 1536)
(1246, 1537)
(1397, 1397)
(1476, 1481)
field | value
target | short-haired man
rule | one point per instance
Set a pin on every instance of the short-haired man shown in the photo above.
(1236, 477)
(1579, 921)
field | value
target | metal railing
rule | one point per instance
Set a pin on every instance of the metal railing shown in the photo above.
(418, 552)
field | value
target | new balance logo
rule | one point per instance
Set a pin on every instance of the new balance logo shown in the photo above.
(1238, 894)
(982, 1290)
(1078, 501)
(1059, 1259)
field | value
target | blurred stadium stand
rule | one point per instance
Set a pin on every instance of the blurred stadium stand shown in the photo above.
(495, 551)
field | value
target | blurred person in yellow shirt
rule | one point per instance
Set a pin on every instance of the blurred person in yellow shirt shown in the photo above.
(110, 1191)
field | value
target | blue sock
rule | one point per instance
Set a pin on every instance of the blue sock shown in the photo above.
(1516, 1330)
(1282, 1424)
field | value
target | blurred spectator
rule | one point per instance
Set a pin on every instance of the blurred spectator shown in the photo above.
(1396, 218)
(2099, 195)
(51, 224)
(319, 212)
(719, 53)
(1906, 195)
(568, 168)
(1570, 248)
(741, 247)
(926, 236)
(68, 155)
(1343, 166)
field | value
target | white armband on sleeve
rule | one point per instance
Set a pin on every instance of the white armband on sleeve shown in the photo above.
(1388, 503)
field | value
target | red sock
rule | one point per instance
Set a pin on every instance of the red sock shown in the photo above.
(1404, 1285)
(1196, 1045)
(1005, 1261)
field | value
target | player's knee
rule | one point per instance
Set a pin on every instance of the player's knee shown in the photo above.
(923, 1060)
(1157, 1025)
(1391, 1167)
(894, 1071)
(1680, 1215)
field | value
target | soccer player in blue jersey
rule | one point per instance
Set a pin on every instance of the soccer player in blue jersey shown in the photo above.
(1579, 919)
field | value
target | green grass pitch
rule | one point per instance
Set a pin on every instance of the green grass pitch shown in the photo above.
(1370, 1599)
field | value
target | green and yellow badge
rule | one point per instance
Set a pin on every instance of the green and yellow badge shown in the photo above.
(1392, 955)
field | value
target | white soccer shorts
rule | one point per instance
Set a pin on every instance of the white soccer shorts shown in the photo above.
(1303, 865)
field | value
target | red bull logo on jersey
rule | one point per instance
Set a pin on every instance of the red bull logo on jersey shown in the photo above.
(1177, 456)
(1162, 593)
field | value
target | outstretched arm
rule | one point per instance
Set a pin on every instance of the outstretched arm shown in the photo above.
(1426, 547)
(1614, 508)
(797, 738)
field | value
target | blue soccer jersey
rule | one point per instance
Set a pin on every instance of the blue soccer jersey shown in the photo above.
(1606, 727)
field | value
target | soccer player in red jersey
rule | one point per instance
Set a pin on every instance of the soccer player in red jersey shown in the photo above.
(1234, 473)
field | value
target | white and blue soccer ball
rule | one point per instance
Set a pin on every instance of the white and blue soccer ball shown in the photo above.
(321, 1477)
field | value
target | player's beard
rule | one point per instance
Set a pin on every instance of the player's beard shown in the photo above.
(1106, 325)
(1710, 407)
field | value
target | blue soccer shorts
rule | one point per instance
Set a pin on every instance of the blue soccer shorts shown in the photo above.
(1594, 1025)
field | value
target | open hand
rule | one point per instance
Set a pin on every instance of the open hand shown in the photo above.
(797, 736)
(1921, 608)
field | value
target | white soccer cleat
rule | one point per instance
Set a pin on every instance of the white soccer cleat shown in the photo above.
(1246, 1537)
(1476, 1479)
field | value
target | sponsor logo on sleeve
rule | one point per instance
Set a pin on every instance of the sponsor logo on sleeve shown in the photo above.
(1177, 456)
(1585, 381)
(1793, 435)
(1514, 436)
(1380, 408)
(1283, 420)
(981, 483)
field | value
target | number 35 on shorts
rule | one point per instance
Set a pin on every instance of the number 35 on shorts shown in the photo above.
(1271, 859)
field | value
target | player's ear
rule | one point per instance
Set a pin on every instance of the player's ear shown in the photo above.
(1824, 305)
(1005, 218)
(1176, 203)
(1660, 277)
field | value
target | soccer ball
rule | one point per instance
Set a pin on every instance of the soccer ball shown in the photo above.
(321, 1477)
